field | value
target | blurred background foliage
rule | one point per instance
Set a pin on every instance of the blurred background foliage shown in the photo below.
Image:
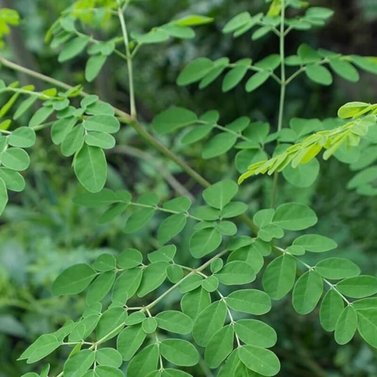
(43, 231)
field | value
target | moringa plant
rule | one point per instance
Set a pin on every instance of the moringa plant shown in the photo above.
(146, 313)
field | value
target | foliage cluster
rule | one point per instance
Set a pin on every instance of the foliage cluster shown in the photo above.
(153, 311)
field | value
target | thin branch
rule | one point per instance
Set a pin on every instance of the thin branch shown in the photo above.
(129, 63)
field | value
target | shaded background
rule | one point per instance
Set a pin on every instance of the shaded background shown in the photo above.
(43, 232)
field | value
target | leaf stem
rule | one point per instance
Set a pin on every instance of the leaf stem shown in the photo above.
(283, 85)
(129, 62)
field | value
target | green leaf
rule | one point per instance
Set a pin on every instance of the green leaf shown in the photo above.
(210, 284)
(315, 243)
(73, 141)
(172, 119)
(219, 66)
(279, 276)
(259, 360)
(257, 80)
(170, 227)
(194, 302)
(73, 280)
(156, 35)
(174, 373)
(100, 139)
(236, 273)
(366, 63)
(358, 287)
(43, 346)
(109, 324)
(179, 352)
(13, 180)
(180, 204)
(73, 48)
(256, 333)
(220, 194)
(23, 137)
(331, 307)
(106, 371)
(15, 159)
(100, 287)
(130, 340)
(153, 276)
(346, 325)
(218, 145)
(208, 322)
(149, 325)
(109, 357)
(219, 347)
(40, 116)
(79, 363)
(237, 22)
(236, 74)
(196, 134)
(181, 32)
(105, 262)
(61, 128)
(130, 258)
(93, 66)
(102, 123)
(294, 216)
(204, 242)
(91, 168)
(3, 196)
(174, 321)
(307, 292)
(337, 268)
(144, 362)
(318, 74)
(344, 69)
(195, 71)
(164, 254)
(127, 284)
(24, 106)
(105, 197)
(193, 20)
(250, 301)
(139, 219)
(302, 176)
(367, 326)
